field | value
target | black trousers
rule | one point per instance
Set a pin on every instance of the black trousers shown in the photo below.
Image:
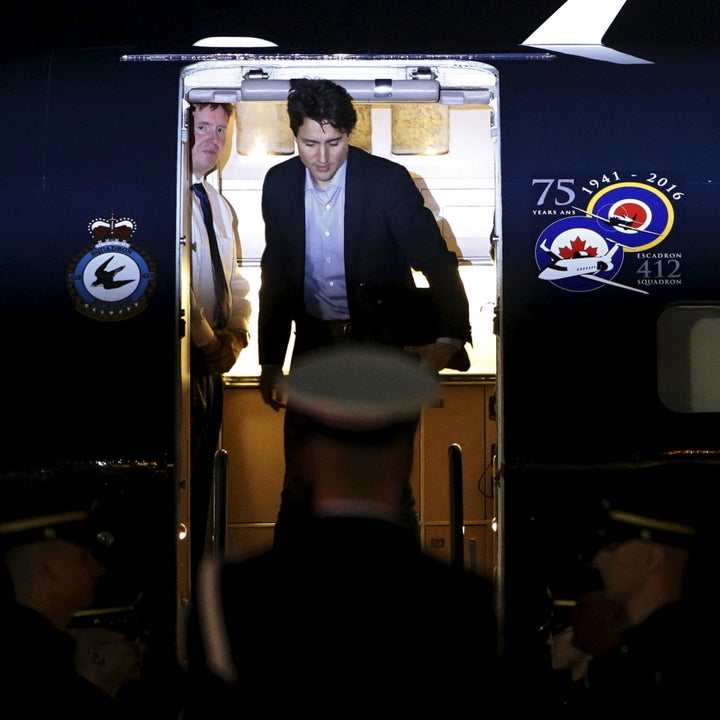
(206, 412)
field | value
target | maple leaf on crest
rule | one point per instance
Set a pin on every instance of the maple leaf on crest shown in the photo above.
(577, 249)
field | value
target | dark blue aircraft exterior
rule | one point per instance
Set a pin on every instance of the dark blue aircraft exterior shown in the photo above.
(579, 370)
(92, 402)
(89, 136)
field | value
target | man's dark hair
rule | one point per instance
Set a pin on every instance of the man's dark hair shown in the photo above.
(324, 101)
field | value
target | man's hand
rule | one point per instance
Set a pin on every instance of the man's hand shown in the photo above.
(435, 356)
(223, 351)
(270, 390)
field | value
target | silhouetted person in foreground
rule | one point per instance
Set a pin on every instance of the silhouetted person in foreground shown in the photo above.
(353, 616)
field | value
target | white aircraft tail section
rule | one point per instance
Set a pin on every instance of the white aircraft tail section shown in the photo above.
(578, 27)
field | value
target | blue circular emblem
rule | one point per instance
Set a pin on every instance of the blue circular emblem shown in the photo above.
(112, 280)
(571, 254)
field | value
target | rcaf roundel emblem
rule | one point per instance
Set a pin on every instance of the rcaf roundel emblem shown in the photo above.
(111, 280)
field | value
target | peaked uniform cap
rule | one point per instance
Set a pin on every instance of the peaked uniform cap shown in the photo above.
(26, 521)
(658, 502)
(360, 388)
(122, 619)
(563, 594)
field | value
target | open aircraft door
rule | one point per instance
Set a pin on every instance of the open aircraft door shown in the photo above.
(438, 116)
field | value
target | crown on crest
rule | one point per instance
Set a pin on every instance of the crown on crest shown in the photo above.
(112, 230)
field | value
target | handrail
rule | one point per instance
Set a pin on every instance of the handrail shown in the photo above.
(457, 549)
(218, 519)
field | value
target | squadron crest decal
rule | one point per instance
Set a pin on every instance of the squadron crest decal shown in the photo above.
(111, 280)
(585, 250)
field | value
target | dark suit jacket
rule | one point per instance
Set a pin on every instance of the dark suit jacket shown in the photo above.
(656, 670)
(38, 678)
(388, 232)
(351, 618)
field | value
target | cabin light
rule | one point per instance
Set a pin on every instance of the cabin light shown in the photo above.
(236, 42)
(263, 129)
(362, 134)
(361, 90)
(182, 531)
(420, 129)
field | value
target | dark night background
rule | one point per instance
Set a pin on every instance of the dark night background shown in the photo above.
(429, 26)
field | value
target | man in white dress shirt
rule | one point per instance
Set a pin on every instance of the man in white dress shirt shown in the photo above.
(218, 334)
